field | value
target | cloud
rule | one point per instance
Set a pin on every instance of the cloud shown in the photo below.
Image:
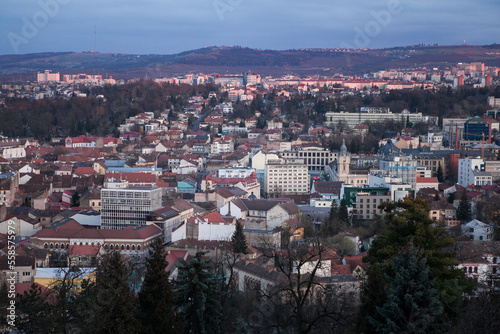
(167, 26)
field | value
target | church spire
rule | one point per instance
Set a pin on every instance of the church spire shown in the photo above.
(343, 148)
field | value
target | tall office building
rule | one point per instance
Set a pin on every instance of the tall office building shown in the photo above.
(122, 205)
(286, 177)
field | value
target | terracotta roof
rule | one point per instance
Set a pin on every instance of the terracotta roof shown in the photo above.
(427, 179)
(213, 217)
(84, 171)
(83, 250)
(70, 228)
(173, 256)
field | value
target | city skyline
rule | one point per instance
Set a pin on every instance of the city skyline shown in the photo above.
(166, 27)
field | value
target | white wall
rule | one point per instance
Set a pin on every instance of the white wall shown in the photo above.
(179, 233)
(22, 228)
(221, 231)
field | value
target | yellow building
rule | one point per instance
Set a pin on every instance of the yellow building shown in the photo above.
(50, 277)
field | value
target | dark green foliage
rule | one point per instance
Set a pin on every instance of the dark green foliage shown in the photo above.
(451, 198)
(4, 303)
(464, 210)
(343, 213)
(412, 304)
(115, 309)
(334, 224)
(240, 326)
(199, 296)
(75, 199)
(440, 173)
(156, 299)
(238, 240)
(34, 312)
(408, 222)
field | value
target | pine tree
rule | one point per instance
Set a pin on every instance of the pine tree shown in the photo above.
(115, 309)
(199, 296)
(408, 221)
(464, 210)
(239, 241)
(34, 313)
(412, 304)
(330, 226)
(75, 199)
(440, 173)
(156, 299)
(343, 212)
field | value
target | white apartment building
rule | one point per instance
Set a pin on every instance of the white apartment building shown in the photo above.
(352, 119)
(235, 172)
(472, 171)
(316, 158)
(221, 147)
(286, 177)
(123, 206)
(382, 179)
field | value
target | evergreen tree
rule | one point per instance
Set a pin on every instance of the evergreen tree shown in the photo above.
(343, 212)
(408, 221)
(115, 305)
(451, 198)
(464, 211)
(156, 299)
(412, 304)
(34, 313)
(332, 225)
(75, 199)
(199, 296)
(440, 173)
(239, 241)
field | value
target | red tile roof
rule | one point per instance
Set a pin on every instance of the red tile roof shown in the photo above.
(427, 179)
(70, 228)
(83, 250)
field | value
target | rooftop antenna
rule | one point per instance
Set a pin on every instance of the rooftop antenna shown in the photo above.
(95, 38)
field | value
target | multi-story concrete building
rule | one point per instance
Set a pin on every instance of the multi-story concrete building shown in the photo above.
(365, 201)
(371, 115)
(123, 206)
(236, 171)
(472, 171)
(286, 177)
(316, 158)
(48, 76)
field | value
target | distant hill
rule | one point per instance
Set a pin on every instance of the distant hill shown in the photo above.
(223, 59)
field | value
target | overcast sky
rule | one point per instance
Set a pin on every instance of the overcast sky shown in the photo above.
(167, 26)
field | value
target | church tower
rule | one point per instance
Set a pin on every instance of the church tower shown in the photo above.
(343, 163)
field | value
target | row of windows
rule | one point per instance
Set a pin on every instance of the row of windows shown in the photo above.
(125, 194)
(111, 246)
(368, 206)
(374, 200)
